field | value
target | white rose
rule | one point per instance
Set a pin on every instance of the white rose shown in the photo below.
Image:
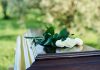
(69, 42)
(59, 43)
(78, 41)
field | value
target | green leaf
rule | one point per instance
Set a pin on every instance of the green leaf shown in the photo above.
(55, 36)
(50, 49)
(49, 31)
(63, 34)
(48, 42)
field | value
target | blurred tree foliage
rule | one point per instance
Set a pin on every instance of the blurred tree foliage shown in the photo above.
(79, 15)
(4, 4)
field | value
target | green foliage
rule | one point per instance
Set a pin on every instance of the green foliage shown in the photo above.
(63, 34)
(49, 32)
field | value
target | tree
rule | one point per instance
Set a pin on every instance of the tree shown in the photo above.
(4, 7)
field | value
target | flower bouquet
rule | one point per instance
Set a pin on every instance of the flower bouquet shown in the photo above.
(51, 42)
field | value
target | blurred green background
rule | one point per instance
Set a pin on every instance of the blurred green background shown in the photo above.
(80, 17)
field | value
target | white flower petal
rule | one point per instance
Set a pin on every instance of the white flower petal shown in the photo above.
(70, 42)
(59, 43)
(78, 41)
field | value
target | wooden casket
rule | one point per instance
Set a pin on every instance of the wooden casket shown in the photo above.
(85, 60)
(68, 61)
